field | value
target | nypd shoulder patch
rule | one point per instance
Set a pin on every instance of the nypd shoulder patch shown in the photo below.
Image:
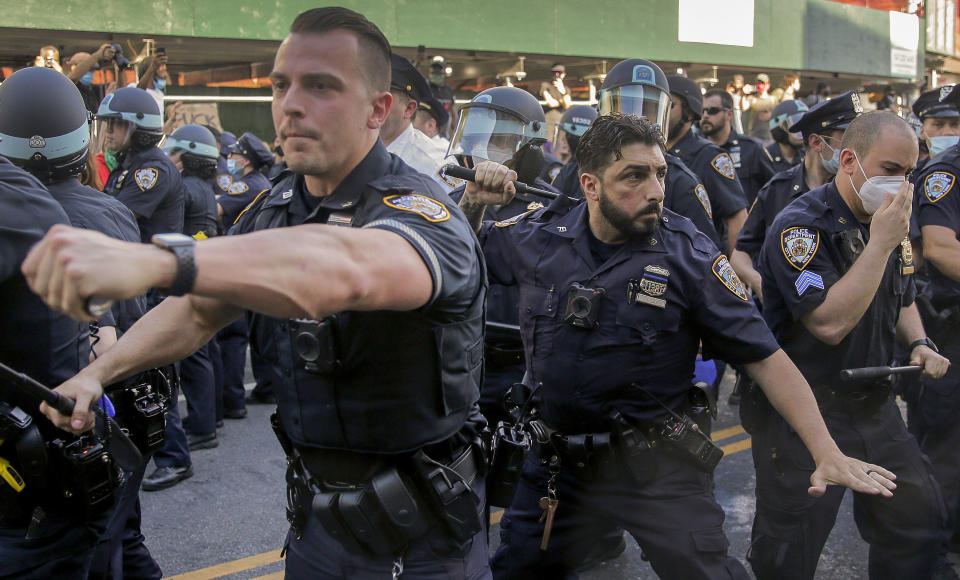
(938, 184)
(724, 166)
(430, 209)
(224, 181)
(515, 219)
(238, 187)
(146, 178)
(725, 273)
(552, 174)
(453, 182)
(701, 193)
(808, 279)
(799, 245)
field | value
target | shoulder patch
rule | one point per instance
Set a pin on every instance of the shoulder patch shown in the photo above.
(938, 184)
(554, 172)
(701, 193)
(510, 221)
(146, 178)
(453, 182)
(724, 166)
(725, 273)
(238, 187)
(224, 181)
(430, 209)
(799, 245)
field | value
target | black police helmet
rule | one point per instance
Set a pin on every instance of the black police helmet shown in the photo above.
(576, 120)
(689, 91)
(638, 87)
(44, 125)
(137, 107)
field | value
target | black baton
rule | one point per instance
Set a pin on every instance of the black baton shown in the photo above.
(470, 174)
(867, 373)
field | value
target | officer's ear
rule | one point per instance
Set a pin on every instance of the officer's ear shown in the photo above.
(381, 103)
(590, 184)
(848, 162)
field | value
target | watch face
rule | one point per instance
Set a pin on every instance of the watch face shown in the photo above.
(171, 240)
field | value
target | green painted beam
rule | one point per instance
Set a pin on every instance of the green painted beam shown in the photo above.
(788, 34)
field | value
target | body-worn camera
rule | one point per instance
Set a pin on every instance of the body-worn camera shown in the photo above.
(583, 307)
(314, 343)
(683, 433)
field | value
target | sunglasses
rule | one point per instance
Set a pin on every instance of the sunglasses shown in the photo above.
(715, 110)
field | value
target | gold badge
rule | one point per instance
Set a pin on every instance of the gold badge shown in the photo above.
(906, 256)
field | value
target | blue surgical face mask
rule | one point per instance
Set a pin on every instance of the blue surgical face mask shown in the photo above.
(831, 165)
(938, 145)
(160, 84)
(233, 168)
(87, 79)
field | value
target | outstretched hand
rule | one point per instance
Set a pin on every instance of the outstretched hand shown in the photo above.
(838, 469)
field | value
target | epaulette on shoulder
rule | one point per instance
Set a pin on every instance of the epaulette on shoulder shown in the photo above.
(677, 223)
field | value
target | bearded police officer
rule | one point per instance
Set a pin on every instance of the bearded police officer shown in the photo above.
(822, 125)
(616, 295)
(838, 293)
(711, 163)
(371, 314)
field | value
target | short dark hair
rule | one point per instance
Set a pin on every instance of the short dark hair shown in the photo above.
(604, 141)
(377, 53)
(726, 99)
(867, 130)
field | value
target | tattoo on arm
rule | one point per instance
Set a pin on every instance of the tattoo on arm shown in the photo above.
(474, 211)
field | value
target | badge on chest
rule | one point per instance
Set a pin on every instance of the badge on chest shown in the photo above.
(650, 288)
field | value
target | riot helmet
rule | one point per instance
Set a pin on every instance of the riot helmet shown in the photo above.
(505, 125)
(637, 87)
(689, 92)
(783, 117)
(129, 112)
(195, 146)
(44, 124)
(574, 123)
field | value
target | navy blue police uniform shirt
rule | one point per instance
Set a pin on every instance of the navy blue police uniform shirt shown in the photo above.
(44, 344)
(785, 187)
(379, 194)
(551, 167)
(94, 210)
(716, 170)
(199, 208)
(779, 162)
(568, 179)
(149, 184)
(753, 164)
(802, 258)
(937, 202)
(236, 193)
(663, 294)
(688, 197)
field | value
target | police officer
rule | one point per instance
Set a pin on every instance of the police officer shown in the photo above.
(822, 128)
(195, 152)
(711, 163)
(493, 118)
(616, 295)
(227, 140)
(932, 411)
(573, 124)
(753, 164)
(442, 91)
(46, 108)
(838, 293)
(145, 180)
(787, 148)
(384, 278)
(245, 162)
(431, 119)
(409, 88)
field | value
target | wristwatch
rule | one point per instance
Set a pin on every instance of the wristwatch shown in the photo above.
(182, 247)
(924, 341)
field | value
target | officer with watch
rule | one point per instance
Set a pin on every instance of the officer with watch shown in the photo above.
(839, 293)
(365, 290)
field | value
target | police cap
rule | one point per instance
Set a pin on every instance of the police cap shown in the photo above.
(251, 147)
(436, 110)
(689, 91)
(837, 113)
(227, 141)
(405, 79)
(940, 102)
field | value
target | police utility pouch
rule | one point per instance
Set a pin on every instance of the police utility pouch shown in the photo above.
(141, 407)
(510, 447)
(583, 307)
(453, 499)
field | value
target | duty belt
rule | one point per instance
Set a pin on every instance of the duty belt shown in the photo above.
(863, 399)
(352, 469)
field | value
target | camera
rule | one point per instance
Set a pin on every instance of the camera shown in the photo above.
(583, 307)
(314, 342)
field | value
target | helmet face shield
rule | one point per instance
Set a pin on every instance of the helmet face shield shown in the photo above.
(113, 133)
(640, 100)
(487, 134)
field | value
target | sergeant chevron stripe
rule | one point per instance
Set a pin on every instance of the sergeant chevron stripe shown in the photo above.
(806, 280)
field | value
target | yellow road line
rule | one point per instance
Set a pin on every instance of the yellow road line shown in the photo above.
(737, 447)
(495, 517)
(232, 567)
(274, 576)
(728, 432)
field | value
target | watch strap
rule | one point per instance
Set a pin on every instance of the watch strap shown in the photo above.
(925, 342)
(186, 271)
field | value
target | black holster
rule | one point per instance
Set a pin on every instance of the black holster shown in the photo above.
(510, 447)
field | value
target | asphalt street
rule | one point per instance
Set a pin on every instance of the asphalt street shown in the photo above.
(227, 521)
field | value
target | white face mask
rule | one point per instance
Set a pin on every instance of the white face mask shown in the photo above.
(875, 189)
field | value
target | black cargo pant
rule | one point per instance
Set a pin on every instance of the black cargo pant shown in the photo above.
(791, 527)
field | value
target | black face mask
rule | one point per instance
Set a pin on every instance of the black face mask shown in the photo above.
(528, 163)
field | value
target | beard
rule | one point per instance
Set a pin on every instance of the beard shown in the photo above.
(630, 225)
(709, 129)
